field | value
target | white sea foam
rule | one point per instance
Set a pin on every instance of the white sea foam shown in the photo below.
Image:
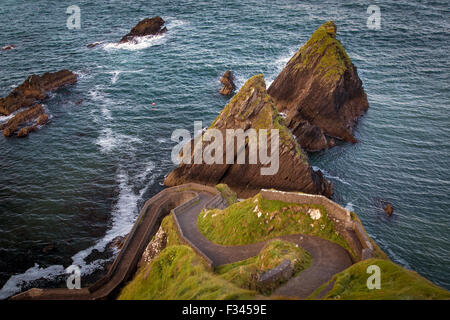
(115, 74)
(329, 176)
(139, 43)
(109, 140)
(97, 95)
(15, 282)
(124, 214)
(350, 207)
(3, 119)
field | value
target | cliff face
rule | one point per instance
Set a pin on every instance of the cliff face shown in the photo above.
(35, 88)
(320, 91)
(253, 108)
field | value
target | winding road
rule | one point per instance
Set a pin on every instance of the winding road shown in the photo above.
(328, 257)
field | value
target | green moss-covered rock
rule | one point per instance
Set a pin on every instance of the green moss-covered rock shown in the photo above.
(245, 273)
(320, 91)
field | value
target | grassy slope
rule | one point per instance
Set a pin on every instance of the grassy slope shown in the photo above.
(396, 283)
(239, 224)
(228, 194)
(245, 273)
(179, 273)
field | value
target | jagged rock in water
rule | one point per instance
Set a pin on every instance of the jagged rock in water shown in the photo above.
(8, 47)
(149, 26)
(93, 44)
(24, 117)
(320, 91)
(253, 108)
(228, 84)
(34, 89)
(388, 208)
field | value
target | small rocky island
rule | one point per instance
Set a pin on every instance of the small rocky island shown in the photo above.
(33, 90)
(320, 92)
(227, 81)
(149, 26)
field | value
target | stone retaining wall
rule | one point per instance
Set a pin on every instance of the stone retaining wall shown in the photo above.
(281, 272)
(352, 231)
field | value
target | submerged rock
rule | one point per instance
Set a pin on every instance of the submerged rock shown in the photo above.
(253, 108)
(388, 208)
(228, 84)
(148, 26)
(117, 242)
(34, 89)
(320, 91)
(8, 47)
(93, 44)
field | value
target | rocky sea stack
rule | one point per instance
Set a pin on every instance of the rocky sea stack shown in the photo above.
(253, 108)
(149, 26)
(228, 83)
(320, 91)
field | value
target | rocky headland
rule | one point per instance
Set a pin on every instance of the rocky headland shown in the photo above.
(253, 108)
(33, 90)
(320, 92)
(149, 26)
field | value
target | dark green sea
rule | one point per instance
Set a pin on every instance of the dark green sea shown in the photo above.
(69, 189)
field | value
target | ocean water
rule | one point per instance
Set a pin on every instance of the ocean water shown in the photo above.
(80, 181)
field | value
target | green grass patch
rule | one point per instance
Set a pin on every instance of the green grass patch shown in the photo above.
(257, 219)
(228, 194)
(246, 273)
(179, 274)
(397, 283)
